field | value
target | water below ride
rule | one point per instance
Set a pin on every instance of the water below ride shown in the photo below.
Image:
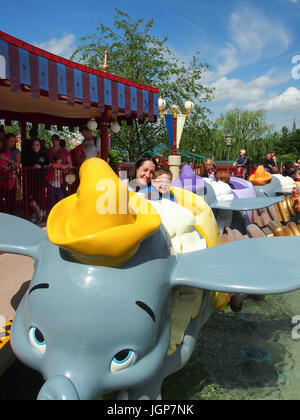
(246, 356)
(250, 355)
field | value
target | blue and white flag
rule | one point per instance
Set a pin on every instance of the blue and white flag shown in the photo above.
(170, 129)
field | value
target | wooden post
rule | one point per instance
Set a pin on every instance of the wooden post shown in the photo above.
(23, 126)
(104, 148)
(175, 136)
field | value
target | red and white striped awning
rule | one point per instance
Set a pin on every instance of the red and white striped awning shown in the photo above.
(42, 87)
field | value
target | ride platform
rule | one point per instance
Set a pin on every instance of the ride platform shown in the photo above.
(15, 274)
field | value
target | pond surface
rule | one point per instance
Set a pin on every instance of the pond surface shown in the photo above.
(249, 355)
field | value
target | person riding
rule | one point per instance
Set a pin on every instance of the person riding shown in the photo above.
(209, 169)
(160, 185)
(243, 162)
(268, 163)
(143, 173)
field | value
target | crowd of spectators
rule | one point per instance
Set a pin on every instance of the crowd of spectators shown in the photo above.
(272, 164)
(42, 183)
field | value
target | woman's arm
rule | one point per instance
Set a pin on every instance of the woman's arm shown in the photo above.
(3, 157)
(18, 159)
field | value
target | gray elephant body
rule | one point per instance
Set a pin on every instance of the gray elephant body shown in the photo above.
(74, 299)
(92, 330)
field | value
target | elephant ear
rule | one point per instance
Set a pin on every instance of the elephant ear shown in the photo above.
(238, 204)
(254, 266)
(18, 236)
(245, 204)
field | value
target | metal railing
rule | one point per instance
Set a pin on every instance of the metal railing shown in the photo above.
(32, 190)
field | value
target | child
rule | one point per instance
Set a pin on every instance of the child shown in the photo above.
(160, 185)
(224, 177)
(55, 181)
(297, 176)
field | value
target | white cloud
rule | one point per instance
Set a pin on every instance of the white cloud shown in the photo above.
(63, 47)
(289, 100)
(230, 107)
(256, 36)
(251, 36)
(236, 90)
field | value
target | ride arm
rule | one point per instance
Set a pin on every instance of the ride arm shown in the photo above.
(270, 266)
(18, 236)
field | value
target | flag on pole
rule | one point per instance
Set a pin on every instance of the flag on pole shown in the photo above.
(170, 128)
(180, 124)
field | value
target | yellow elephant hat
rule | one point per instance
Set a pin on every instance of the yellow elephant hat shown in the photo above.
(102, 224)
(261, 177)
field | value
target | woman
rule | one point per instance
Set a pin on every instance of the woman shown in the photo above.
(144, 172)
(209, 169)
(9, 152)
(59, 151)
(10, 159)
(297, 163)
(2, 137)
(35, 181)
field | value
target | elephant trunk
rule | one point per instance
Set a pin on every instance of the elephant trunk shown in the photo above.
(58, 388)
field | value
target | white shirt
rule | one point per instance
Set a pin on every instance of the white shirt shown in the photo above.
(89, 148)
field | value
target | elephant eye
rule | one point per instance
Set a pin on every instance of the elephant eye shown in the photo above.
(122, 360)
(37, 340)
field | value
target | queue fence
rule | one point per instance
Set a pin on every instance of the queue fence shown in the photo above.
(30, 188)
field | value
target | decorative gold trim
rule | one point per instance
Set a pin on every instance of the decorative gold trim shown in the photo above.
(105, 66)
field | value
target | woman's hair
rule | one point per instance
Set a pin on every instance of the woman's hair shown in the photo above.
(143, 159)
(36, 140)
(55, 137)
(7, 137)
(209, 161)
(288, 165)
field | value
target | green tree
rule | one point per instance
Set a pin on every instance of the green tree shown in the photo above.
(250, 131)
(289, 145)
(137, 55)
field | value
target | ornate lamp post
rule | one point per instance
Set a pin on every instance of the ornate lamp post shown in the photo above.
(161, 106)
(175, 122)
(228, 139)
(189, 106)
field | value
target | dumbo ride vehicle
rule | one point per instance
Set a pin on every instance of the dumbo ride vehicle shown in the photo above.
(111, 306)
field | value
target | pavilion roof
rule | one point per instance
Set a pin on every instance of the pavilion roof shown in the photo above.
(38, 86)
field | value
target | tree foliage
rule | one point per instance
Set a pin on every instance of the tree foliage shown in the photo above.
(250, 131)
(136, 54)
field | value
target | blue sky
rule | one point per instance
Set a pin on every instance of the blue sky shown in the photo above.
(249, 45)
